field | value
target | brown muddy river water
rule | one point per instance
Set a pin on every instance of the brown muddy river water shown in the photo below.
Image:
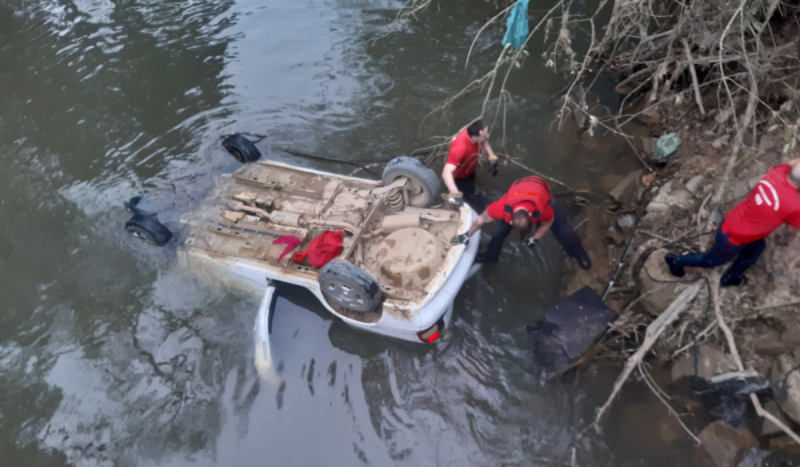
(112, 355)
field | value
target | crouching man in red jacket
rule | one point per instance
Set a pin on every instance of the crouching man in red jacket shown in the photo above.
(773, 202)
(528, 201)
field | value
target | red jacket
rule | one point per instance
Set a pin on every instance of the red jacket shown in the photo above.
(530, 193)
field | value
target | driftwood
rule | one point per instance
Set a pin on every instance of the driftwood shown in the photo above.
(654, 331)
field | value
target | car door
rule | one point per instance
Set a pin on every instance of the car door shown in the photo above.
(262, 332)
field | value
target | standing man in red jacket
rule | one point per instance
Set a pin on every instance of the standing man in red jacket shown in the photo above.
(459, 170)
(528, 201)
(773, 202)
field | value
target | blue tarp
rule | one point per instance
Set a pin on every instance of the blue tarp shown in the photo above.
(517, 25)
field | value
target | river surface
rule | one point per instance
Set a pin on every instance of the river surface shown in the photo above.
(112, 355)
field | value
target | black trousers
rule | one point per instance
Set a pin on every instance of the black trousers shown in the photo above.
(472, 195)
(561, 229)
(724, 250)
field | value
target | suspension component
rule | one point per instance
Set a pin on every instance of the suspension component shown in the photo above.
(394, 201)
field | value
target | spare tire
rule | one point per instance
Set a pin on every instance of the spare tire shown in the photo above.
(424, 182)
(148, 229)
(349, 286)
(241, 149)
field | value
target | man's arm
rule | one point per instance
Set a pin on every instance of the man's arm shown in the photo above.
(488, 148)
(543, 229)
(463, 239)
(793, 161)
(447, 176)
(482, 219)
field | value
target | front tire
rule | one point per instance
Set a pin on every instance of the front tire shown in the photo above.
(241, 149)
(349, 286)
(148, 229)
(424, 183)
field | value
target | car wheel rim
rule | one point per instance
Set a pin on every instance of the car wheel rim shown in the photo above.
(236, 154)
(145, 237)
(345, 295)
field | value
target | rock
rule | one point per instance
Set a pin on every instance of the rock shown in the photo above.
(789, 402)
(784, 443)
(613, 236)
(693, 185)
(649, 145)
(791, 335)
(767, 143)
(625, 191)
(741, 188)
(767, 427)
(707, 361)
(768, 346)
(671, 197)
(651, 116)
(726, 445)
(657, 295)
(652, 279)
(643, 431)
(608, 181)
(626, 224)
(721, 141)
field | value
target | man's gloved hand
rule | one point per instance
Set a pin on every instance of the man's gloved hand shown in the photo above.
(462, 239)
(493, 167)
(530, 242)
(455, 200)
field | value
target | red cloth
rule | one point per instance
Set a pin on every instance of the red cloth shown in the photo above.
(464, 155)
(291, 243)
(529, 193)
(322, 249)
(771, 203)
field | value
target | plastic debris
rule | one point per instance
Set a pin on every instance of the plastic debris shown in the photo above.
(517, 25)
(666, 145)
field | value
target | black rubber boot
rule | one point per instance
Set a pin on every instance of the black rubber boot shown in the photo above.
(674, 269)
(732, 279)
(584, 261)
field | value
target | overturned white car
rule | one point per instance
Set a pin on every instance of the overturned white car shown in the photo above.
(397, 273)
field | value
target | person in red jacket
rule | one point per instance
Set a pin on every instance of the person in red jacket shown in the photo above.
(773, 202)
(528, 201)
(459, 170)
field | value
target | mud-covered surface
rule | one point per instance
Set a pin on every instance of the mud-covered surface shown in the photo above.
(401, 247)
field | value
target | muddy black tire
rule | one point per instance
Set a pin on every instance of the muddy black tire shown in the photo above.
(148, 229)
(349, 286)
(241, 149)
(424, 181)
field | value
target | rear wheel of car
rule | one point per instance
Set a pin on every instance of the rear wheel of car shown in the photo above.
(423, 187)
(349, 286)
(241, 149)
(148, 229)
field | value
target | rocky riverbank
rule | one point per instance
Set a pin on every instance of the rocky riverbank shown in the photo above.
(673, 204)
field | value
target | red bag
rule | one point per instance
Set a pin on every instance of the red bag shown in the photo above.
(322, 249)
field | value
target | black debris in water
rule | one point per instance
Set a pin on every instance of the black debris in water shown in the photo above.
(739, 383)
(568, 330)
